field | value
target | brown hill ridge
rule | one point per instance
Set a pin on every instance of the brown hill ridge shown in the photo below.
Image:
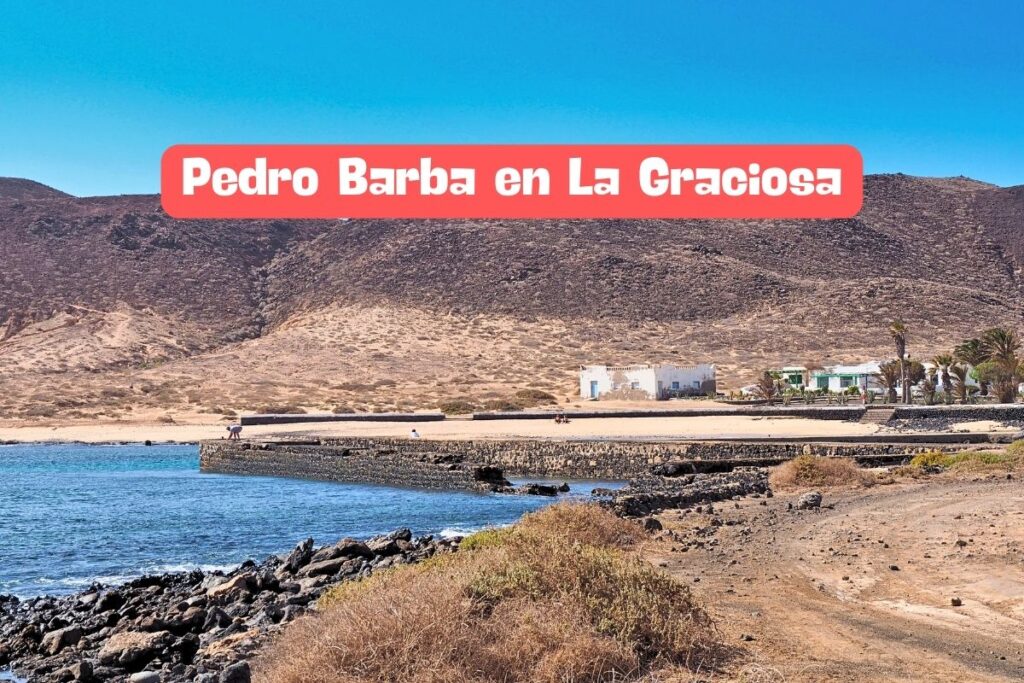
(107, 304)
(27, 190)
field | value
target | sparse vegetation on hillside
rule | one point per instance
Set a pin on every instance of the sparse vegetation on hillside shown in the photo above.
(560, 597)
(457, 406)
(280, 409)
(249, 312)
(528, 398)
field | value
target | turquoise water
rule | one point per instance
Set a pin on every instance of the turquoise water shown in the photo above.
(73, 514)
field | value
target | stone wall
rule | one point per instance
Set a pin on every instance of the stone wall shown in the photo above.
(332, 463)
(452, 464)
(998, 413)
(852, 413)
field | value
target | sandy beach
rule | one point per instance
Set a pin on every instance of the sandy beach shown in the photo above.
(598, 428)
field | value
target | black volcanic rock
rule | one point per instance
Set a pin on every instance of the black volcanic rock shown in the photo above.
(162, 623)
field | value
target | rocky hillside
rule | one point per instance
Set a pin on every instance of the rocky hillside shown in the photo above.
(95, 291)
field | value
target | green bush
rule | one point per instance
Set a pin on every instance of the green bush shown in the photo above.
(932, 459)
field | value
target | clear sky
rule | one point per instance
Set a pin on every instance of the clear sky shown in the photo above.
(91, 93)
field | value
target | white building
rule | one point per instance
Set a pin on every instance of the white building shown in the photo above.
(839, 378)
(646, 381)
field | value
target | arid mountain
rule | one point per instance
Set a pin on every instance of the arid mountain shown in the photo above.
(108, 305)
(27, 190)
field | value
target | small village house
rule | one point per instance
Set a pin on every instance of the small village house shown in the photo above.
(794, 375)
(839, 378)
(653, 382)
(836, 378)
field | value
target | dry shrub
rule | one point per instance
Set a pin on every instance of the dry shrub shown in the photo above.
(530, 398)
(528, 605)
(973, 461)
(810, 470)
(1016, 450)
(501, 405)
(280, 409)
(457, 406)
(581, 523)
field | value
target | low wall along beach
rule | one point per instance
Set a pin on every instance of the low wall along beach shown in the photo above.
(454, 464)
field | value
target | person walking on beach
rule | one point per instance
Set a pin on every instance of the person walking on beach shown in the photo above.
(234, 432)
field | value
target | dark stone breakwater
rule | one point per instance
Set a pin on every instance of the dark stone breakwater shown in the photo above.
(187, 626)
(457, 464)
(357, 463)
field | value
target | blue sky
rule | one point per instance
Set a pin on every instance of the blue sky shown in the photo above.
(92, 93)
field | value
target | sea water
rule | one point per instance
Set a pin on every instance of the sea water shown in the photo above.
(71, 515)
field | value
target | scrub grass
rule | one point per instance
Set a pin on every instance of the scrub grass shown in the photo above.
(809, 470)
(973, 461)
(560, 596)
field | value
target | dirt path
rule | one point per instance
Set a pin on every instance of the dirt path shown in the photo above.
(864, 591)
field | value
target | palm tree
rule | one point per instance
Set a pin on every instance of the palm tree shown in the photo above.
(928, 389)
(898, 332)
(768, 387)
(1004, 367)
(889, 376)
(942, 362)
(972, 352)
(915, 372)
(960, 386)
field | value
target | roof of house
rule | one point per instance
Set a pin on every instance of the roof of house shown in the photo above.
(645, 366)
(869, 368)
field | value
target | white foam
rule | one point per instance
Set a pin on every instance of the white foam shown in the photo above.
(77, 583)
(458, 532)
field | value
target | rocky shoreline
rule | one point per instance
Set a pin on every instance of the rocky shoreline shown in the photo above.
(206, 627)
(191, 626)
(668, 489)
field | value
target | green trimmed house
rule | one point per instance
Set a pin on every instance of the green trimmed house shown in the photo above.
(794, 375)
(839, 378)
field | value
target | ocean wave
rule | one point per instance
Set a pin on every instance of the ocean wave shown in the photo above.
(461, 532)
(73, 584)
(458, 532)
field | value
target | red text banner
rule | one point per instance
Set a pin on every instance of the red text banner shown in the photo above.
(512, 181)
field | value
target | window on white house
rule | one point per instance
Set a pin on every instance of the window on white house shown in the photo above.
(635, 385)
(675, 385)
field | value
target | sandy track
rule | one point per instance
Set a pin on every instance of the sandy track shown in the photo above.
(816, 591)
